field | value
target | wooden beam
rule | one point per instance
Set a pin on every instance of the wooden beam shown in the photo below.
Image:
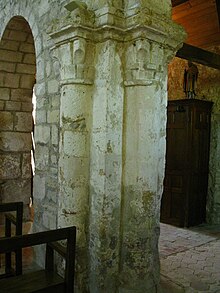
(200, 56)
(178, 2)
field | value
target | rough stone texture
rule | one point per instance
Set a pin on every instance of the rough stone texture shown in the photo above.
(6, 121)
(208, 88)
(42, 154)
(16, 112)
(39, 187)
(15, 141)
(106, 168)
(21, 95)
(26, 166)
(5, 93)
(9, 166)
(100, 128)
(23, 122)
(2, 105)
(42, 134)
(17, 190)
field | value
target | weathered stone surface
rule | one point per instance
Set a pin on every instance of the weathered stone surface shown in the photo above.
(42, 157)
(26, 107)
(23, 122)
(10, 56)
(9, 45)
(12, 106)
(41, 116)
(15, 35)
(53, 86)
(12, 191)
(26, 68)
(4, 93)
(6, 121)
(29, 59)
(18, 190)
(49, 217)
(21, 95)
(100, 138)
(26, 166)
(39, 187)
(10, 166)
(213, 200)
(53, 116)
(27, 81)
(42, 134)
(27, 48)
(40, 90)
(74, 144)
(52, 195)
(11, 80)
(15, 142)
(54, 135)
(55, 101)
(7, 67)
(2, 105)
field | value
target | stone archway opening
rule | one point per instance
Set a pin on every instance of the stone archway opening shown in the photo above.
(17, 79)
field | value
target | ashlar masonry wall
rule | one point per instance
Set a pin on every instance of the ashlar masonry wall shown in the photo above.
(17, 77)
(101, 96)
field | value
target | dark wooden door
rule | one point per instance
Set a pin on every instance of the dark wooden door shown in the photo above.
(199, 165)
(187, 156)
(177, 162)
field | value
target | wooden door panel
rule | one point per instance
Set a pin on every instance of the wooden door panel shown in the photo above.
(187, 158)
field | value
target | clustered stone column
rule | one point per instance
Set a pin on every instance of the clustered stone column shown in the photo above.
(112, 140)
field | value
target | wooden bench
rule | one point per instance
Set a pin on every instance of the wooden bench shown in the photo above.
(7, 209)
(45, 279)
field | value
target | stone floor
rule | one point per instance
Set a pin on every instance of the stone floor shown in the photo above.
(190, 259)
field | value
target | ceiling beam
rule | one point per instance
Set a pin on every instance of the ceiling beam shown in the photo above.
(200, 56)
(178, 2)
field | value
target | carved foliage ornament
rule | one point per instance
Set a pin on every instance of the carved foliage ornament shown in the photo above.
(144, 62)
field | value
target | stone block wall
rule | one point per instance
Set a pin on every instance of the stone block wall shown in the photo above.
(17, 77)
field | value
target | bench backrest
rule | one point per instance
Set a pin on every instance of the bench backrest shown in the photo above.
(10, 244)
(16, 220)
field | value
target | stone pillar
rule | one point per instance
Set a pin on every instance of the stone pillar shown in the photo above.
(75, 56)
(112, 142)
(106, 169)
(146, 56)
(144, 161)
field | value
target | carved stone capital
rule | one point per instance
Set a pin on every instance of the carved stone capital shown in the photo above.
(144, 62)
(145, 35)
(76, 61)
